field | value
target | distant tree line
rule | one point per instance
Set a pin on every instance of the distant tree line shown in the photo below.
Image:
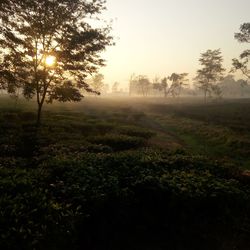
(168, 86)
(210, 80)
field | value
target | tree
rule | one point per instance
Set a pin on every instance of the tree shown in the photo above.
(143, 84)
(49, 47)
(231, 87)
(161, 85)
(243, 37)
(139, 84)
(211, 73)
(97, 83)
(173, 88)
(178, 81)
(164, 86)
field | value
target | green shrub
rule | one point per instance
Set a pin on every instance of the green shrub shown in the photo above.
(118, 142)
(28, 116)
(99, 148)
(135, 131)
(10, 116)
(104, 127)
(68, 197)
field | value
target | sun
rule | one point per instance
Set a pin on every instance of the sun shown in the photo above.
(50, 60)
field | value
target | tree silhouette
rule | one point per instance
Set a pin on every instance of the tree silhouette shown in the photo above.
(161, 85)
(243, 37)
(173, 88)
(211, 73)
(178, 81)
(49, 47)
(140, 85)
(232, 88)
(97, 83)
(143, 85)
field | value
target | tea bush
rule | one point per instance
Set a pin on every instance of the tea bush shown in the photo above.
(83, 182)
(118, 142)
(136, 131)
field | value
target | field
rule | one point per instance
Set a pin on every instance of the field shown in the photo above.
(125, 174)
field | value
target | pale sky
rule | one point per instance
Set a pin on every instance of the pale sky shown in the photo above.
(159, 37)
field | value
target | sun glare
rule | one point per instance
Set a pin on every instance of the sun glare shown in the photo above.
(50, 60)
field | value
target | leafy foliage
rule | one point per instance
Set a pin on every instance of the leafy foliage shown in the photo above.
(212, 72)
(33, 31)
(242, 64)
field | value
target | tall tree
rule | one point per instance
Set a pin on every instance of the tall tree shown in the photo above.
(49, 47)
(211, 72)
(242, 64)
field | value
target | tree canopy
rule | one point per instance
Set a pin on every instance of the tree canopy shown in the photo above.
(211, 72)
(49, 47)
(242, 64)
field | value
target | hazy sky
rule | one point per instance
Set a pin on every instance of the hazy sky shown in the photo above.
(158, 37)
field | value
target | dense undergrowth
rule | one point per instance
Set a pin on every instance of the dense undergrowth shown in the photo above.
(93, 181)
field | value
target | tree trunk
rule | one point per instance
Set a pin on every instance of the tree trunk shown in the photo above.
(205, 97)
(39, 111)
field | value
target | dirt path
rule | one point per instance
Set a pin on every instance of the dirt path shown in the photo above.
(165, 138)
